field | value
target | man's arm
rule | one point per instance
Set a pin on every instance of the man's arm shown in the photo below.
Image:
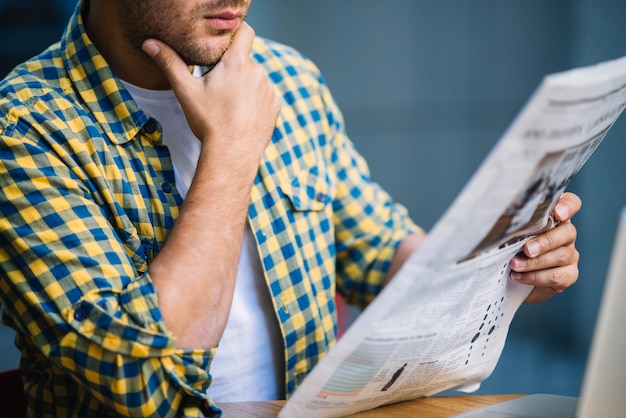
(406, 248)
(232, 110)
(550, 260)
(73, 261)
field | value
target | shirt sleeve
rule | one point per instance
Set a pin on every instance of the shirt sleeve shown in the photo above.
(72, 289)
(369, 224)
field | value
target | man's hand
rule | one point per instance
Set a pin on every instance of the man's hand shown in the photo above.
(233, 108)
(550, 260)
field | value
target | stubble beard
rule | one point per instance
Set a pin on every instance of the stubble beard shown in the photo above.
(140, 21)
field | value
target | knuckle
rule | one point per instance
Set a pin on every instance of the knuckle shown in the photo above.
(570, 230)
(247, 61)
(259, 75)
(568, 255)
(574, 274)
(574, 231)
(239, 63)
(555, 278)
(563, 278)
(250, 30)
(549, 240)
(564, 256)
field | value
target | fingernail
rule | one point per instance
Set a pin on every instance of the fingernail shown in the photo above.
(518, 263)
(151, 48)
(516, 276)
(533, 249)
(561, 211)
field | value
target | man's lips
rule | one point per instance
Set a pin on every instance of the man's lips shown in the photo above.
(226, 20)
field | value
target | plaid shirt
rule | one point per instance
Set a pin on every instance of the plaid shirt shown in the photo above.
(88, 197)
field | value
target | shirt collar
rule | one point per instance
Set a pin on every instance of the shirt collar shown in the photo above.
(98, 86)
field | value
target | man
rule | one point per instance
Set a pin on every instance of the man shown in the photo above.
(154, 210)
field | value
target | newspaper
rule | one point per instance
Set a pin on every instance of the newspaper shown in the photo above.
(442, 322)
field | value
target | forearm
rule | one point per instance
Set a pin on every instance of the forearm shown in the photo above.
(403, 252)
(232, 110)
(195, 272)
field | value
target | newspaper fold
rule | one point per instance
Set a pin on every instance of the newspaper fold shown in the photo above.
(442, 322)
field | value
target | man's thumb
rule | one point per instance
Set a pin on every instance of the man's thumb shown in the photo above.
(167, 59)
(151, 48)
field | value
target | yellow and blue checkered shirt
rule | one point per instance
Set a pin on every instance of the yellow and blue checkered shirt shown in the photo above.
(88, 197)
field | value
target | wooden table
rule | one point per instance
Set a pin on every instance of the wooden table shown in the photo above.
(432, 407)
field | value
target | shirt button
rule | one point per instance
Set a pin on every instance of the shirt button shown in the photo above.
(166, 187)
(321, 197)
(150, 127)
(80, 314)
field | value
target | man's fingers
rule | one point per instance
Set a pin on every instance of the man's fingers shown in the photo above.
(563, 234)
(167, 59)
(241, 45)
(548, 282)
(559, 257)
(567, 206)
(550, 260)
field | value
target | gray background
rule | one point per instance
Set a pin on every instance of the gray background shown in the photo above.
(427, 87)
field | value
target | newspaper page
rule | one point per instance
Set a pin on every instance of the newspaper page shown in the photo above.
(442, 322)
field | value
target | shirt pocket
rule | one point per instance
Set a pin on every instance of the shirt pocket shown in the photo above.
(309, 215)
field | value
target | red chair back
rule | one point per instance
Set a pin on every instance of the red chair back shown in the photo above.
(12, 399)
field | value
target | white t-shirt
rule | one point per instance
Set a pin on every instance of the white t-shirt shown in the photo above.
(249, 364)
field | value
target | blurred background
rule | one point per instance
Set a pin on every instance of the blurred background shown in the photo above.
(427, 87)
